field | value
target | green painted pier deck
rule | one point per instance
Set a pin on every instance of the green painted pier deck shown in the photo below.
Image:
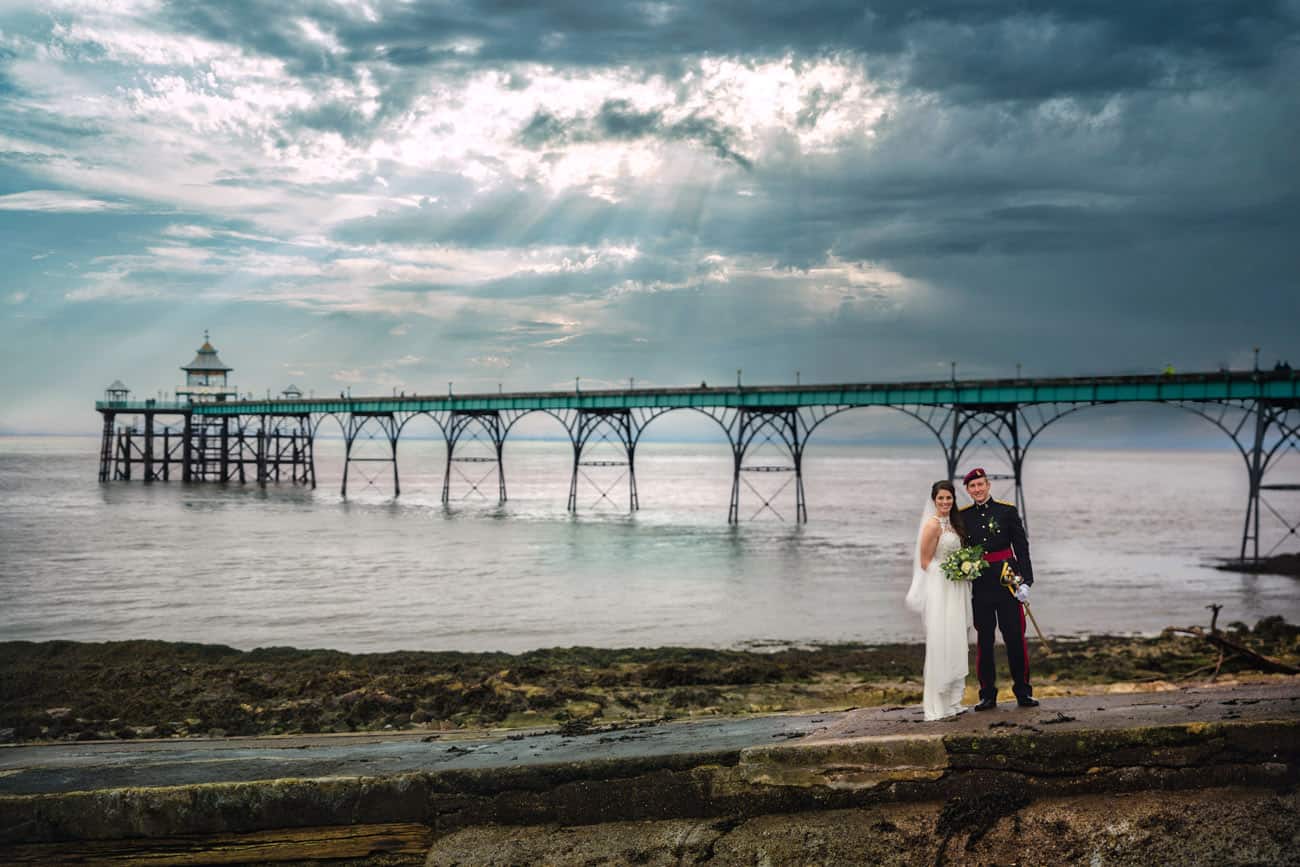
(1232, 386)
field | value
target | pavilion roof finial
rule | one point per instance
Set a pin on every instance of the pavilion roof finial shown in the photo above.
(206, 359)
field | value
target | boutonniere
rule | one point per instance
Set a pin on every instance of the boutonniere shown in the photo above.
(992, 524)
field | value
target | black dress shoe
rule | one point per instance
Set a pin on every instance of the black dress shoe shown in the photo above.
(1027, 702)
(988, 704)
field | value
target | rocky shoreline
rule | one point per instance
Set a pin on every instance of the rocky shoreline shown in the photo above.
(70, 691)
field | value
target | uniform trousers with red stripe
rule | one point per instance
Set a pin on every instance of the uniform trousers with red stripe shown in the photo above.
(1001, 609)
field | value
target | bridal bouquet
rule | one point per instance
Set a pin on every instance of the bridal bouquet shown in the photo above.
(964, 564)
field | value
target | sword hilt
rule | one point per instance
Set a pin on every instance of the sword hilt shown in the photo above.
(1011, 581)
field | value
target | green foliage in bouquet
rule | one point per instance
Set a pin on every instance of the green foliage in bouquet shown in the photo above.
(964, 564)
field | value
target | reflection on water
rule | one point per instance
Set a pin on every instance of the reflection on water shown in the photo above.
(1121, 542)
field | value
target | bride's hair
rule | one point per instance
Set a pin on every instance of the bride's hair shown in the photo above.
(954, 517)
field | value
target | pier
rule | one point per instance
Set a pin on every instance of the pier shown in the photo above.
(210, 435)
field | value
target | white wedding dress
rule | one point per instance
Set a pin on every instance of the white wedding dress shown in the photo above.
(945, 609)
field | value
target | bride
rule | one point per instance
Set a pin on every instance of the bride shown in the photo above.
(944, 606)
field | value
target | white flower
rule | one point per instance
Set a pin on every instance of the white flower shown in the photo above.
(966, 567)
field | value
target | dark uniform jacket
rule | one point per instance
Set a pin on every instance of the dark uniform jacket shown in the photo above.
(997, 526)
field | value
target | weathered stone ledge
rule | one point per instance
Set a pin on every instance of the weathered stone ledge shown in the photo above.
(989, 766)
(1216, 826)
(793, 777)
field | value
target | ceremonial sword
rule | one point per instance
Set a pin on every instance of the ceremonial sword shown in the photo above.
(1012, 581)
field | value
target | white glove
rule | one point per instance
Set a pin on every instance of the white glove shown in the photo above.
(1022, 594)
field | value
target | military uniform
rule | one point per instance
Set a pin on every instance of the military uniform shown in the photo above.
(997, 526)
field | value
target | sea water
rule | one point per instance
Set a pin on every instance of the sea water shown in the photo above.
(1121, 542)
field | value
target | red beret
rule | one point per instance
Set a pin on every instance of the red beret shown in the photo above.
(977, 473)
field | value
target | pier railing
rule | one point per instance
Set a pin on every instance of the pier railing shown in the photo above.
(160, 406)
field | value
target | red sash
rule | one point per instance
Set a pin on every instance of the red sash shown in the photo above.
(999, 556)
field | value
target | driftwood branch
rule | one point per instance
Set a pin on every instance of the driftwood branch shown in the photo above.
(1218, 665)
(1225, 644)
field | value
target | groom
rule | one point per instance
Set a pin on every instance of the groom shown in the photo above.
(997, 526)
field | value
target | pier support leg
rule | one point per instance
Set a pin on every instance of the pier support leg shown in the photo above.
(311, 458)
(572, 505)
(106, 448)
(952, 451)
(263, 446)
(187, 450)
(1017, 455)
(501, 471)
(446, 473)
(148, 447)
(733, 510)
(347, 462)
(782, 427)
(397, 484)
(1255, 477)
(801, 503)
(225, 448)
(127, 456)
(633, 502)
(616, 428)
(241, 452)
(355, 424)
(489, 431)
(1276, 435)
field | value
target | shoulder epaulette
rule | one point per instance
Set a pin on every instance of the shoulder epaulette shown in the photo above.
(1005, 503)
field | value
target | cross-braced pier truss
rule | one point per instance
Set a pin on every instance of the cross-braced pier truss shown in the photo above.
(768, 429)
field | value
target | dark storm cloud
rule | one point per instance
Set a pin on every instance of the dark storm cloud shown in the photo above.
(1004, 51)
(1117, 240)
(972, 182)
(338, 116)
(617, 120)
(1153, 174)
(988, 169)
(986, 50)
(544, 130)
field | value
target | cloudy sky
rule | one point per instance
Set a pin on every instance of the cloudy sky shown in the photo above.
(392, 195)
